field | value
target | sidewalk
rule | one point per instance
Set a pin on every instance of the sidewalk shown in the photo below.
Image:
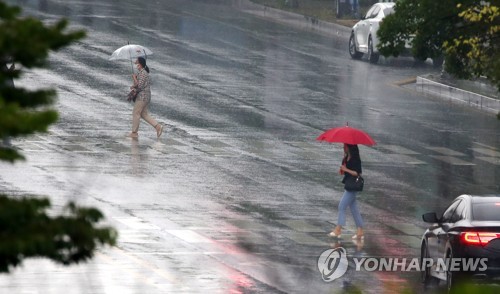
(478, 95)
(471, 93)
(296, 20)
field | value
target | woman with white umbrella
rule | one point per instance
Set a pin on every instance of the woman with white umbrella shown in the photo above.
(142, 86)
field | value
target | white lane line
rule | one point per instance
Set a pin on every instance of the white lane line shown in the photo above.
(486, 151)
(446, 151)
(136, 223)
(399, 149)
(189, 236)
(492, 160)
(452, 160)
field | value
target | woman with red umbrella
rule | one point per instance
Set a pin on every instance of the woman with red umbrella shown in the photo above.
(351, 167)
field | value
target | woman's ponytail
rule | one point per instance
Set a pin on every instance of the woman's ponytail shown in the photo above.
(142, 61)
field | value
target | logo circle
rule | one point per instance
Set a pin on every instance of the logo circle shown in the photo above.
(332, 264)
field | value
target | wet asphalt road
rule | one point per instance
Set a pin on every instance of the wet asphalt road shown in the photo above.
(237, 196)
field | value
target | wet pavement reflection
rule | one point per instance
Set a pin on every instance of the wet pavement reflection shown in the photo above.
(237, 196)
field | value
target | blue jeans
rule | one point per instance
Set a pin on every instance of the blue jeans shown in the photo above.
(349, 200)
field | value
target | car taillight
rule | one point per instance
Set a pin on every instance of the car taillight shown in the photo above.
(478, 238)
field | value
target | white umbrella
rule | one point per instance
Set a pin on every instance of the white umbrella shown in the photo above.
(130, 51)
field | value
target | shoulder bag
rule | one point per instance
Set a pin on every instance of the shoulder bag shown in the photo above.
(354, 183)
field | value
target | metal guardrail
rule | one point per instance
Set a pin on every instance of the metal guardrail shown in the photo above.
(472, 99)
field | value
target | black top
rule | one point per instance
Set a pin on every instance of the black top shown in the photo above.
(354, 163)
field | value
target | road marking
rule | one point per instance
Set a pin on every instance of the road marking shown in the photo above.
(144, 264)
(248, 225)
(247, 238)
(304, 239)
(373, 155)
(29, 146)
(310, 155)
(399, 149)
(446, 151)
(492, 160)
(452, 160)
(216, 151)
(301, 226)
(217, 143)
(136, 223)
(486, 151)
(189, 236)
(180, 253)
(75, 148)
(411, 241)
(134, 236)
(402, 158)
(171, 141)
(117, 147)
(167, 149)
(486, 146)
(408, 229)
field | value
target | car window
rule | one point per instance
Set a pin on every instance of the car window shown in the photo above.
(375, 12)
(459, 213)
(489, 211)
(370, 11)
(447, 215)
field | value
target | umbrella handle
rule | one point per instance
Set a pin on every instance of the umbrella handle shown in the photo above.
(131, 64)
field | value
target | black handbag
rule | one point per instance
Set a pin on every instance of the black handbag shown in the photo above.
(354, 184)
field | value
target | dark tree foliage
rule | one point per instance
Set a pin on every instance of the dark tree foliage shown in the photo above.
(26, 228)
(465, 33)
(476, 50)
(426, 24)
(26, 41)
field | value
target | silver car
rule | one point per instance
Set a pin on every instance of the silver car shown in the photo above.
(363, 38)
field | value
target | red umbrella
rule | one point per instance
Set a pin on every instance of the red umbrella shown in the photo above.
(346, 135)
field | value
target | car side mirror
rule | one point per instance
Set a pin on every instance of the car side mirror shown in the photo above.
(430, 217)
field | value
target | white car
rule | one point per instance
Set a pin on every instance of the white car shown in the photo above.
(363, 38)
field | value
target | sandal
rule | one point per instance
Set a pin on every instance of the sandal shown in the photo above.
(159, 131)
(334, 235)
(133, 135)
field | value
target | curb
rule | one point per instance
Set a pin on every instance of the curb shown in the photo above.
(457, 95)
